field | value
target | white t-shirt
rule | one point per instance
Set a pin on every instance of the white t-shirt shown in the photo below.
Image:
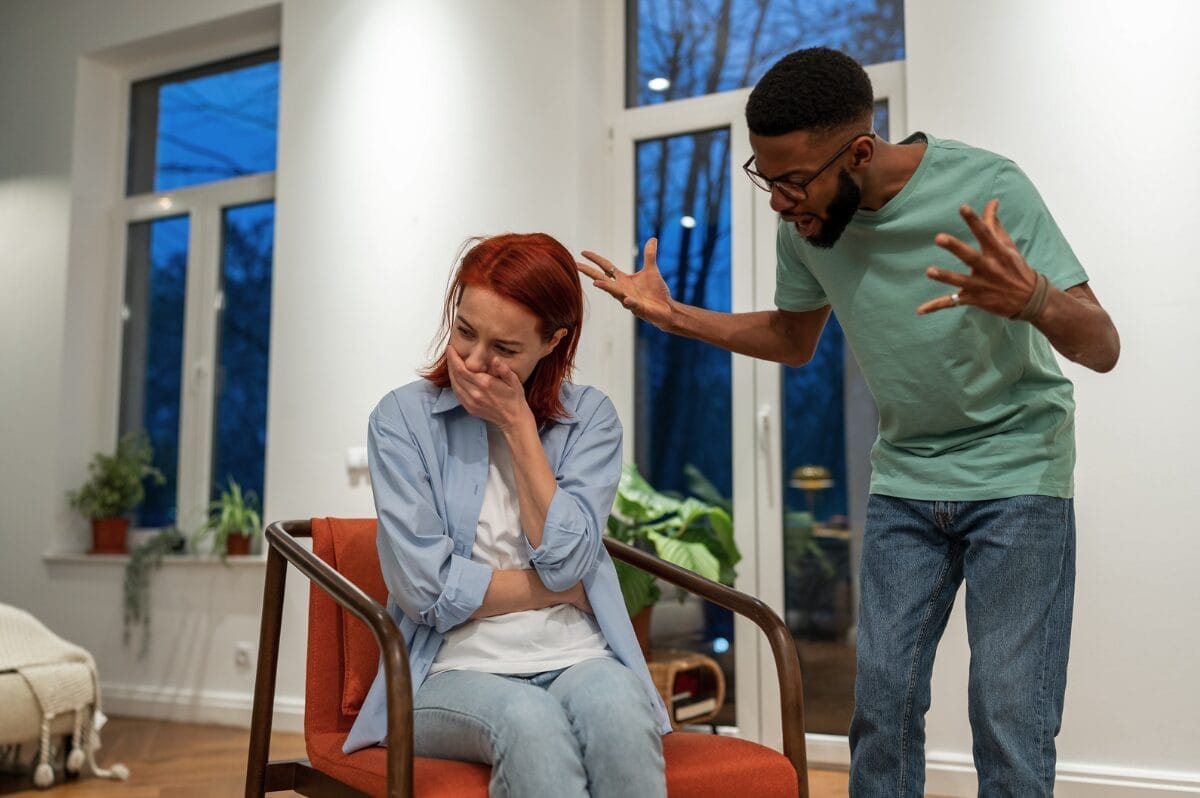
(530, 641)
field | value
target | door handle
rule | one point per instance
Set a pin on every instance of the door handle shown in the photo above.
(763, 422)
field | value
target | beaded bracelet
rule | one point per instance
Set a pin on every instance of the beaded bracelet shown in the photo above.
(1037, 300)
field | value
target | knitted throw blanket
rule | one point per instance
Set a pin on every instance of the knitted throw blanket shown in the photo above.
(62, 678)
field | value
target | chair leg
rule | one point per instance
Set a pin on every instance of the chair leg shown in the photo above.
(264, 680)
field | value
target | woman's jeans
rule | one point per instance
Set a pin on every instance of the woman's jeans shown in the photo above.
(1017, 557)
(584, 730)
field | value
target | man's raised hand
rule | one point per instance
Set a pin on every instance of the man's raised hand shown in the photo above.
(644, 292)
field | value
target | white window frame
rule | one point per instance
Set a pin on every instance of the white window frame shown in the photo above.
(204, 206)
(756, 412)
(90, 400)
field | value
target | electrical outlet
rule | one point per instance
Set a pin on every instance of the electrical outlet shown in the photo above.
(243, 655)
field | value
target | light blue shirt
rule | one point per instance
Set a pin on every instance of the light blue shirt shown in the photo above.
(429, 461)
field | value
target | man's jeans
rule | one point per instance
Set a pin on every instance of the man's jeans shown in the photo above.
(1017, 557)
(586, 730)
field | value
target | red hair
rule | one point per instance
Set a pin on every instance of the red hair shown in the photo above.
(538, 272)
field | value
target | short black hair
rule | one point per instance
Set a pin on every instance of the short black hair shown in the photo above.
(817, 89)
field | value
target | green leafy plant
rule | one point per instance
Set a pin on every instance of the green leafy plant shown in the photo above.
(234, 513)
(115, 481)
(143, 561)
(689, 532)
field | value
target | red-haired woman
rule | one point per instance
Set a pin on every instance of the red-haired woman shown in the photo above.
(493, 480)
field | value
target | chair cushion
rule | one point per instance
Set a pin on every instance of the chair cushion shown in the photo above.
(698, 766)
(711, 765)
(366, 770)
(357, 557)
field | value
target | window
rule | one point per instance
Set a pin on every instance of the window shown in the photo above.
(689, 48)
(800, 438)
(198, 226)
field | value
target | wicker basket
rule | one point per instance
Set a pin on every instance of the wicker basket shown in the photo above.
(667, 665)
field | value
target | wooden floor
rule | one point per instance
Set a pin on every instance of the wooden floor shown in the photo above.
(183, 760)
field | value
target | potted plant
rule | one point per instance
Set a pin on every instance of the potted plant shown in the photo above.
(113, 488)
(233, 521)
(689, 532)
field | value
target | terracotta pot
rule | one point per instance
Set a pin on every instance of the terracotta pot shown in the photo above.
(108, 535)
(641, 629)
(237, 544)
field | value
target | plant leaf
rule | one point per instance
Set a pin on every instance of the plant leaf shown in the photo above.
(693, 556)
(637, 587)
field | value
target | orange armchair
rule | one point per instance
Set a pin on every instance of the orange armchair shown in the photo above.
(349, 630)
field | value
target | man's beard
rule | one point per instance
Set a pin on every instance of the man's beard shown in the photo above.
(841, 210)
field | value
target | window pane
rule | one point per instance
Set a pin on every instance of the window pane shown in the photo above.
(152, 352)
(210, 123)
(683, 386)
(240, 418)
(688, 48)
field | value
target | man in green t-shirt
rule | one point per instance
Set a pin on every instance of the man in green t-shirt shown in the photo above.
(972, 470)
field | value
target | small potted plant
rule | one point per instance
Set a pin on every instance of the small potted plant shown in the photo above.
(689, 532)
(113, 488)
(233, 521)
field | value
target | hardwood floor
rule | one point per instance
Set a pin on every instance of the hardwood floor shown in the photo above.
(184, 760)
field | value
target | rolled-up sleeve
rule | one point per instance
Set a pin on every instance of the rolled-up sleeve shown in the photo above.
(587, 482)
(425, 577)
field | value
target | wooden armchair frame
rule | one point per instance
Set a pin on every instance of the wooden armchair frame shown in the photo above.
(299, 775)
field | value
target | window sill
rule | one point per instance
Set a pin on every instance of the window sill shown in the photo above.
(80, 557)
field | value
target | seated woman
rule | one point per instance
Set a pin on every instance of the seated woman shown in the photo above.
(493, 480)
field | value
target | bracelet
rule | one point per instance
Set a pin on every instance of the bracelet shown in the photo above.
(1037, 300)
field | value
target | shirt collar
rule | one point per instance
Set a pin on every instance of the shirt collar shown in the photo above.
(446, 400)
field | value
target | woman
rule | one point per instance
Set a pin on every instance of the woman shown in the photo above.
(493, 480)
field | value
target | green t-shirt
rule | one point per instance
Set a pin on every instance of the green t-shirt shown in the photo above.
(971, 406)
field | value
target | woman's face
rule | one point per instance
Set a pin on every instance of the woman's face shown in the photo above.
(490, 328)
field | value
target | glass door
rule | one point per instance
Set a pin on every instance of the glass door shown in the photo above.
(676, 183)
(787, 448)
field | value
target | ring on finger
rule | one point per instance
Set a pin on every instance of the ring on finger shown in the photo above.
(612, 273)
(955, 299)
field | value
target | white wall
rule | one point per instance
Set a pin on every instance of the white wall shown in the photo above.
(405, 127)
(1099, 102)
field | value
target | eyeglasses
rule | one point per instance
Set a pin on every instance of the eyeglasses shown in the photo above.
(795, 190)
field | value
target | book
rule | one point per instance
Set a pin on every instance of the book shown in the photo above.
(695, 709)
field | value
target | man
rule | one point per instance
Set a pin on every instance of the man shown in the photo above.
(972, 470)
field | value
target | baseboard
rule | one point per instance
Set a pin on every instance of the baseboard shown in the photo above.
(953, 775)
(222, 708)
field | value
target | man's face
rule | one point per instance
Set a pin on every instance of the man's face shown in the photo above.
(823, 209)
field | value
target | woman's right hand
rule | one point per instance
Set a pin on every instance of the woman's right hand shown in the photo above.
(644, 292)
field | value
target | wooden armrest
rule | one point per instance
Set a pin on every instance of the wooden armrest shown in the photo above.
(281, 537)
(783, 647)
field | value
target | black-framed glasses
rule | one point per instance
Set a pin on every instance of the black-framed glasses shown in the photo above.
(795, 190)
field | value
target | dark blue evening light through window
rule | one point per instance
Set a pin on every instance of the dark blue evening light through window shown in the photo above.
(690, 48)
(683, 386)
(204, 124)
(240, 415)
(201, 125)
(152, 357)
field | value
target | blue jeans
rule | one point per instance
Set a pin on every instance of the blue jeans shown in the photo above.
(584, 730)
(1017, 557)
